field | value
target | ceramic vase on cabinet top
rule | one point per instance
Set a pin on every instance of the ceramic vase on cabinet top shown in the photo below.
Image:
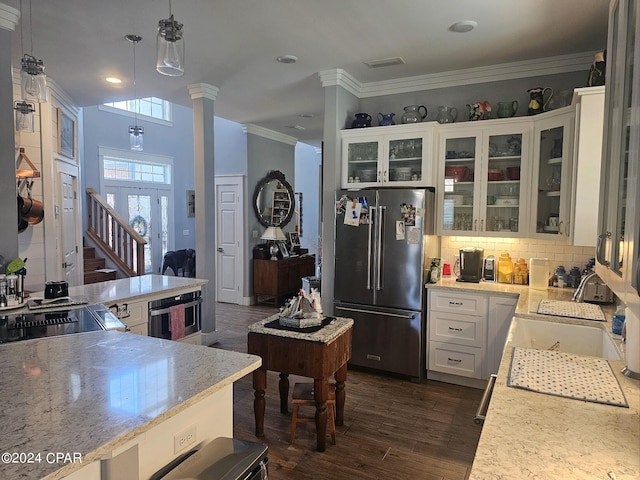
(507, 109)
(537, 103)
(412, 114)
(362, 120)
(385, 119)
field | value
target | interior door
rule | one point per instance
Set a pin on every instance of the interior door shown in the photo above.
(67, 198)
(229, 194)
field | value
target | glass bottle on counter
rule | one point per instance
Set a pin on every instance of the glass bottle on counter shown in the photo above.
(3, 290)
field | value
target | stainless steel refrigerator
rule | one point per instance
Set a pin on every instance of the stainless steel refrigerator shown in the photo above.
(383, 248)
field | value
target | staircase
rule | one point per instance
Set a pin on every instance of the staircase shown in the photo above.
(91, 264)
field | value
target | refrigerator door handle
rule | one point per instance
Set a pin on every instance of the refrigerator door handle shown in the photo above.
(379, 248)
(371, 220)
(373, 312)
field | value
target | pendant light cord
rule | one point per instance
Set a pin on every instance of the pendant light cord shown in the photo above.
(30, 27)
(135, 94)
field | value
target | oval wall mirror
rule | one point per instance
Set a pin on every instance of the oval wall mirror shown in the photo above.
(273, 201)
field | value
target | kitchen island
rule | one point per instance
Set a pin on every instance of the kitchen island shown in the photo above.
(533, 435)
(75, 403)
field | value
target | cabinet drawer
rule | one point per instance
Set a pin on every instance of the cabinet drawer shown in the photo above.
(457, 302)
(458, 329)
(455, 359)
(131, 314)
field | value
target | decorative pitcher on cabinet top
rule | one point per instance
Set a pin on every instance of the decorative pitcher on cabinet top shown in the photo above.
(447, 114)
(479, 110)
(537, 103)
(362, 120)
(385, 119)
(412, 114)
(507, 109)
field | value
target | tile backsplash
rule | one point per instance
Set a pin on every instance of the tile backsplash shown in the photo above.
(557, 252)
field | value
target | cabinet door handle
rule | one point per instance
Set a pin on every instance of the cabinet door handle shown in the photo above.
(379, 176)
(482, 224)
(454, 329)
(475, 225)
(601, 247)
(454, 360)
(454, 303)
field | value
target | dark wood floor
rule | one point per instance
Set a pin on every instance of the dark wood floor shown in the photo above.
(393, 428)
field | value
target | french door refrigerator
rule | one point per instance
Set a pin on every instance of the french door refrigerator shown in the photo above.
(381, 245)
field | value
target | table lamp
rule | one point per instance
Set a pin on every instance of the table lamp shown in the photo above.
(272, 234)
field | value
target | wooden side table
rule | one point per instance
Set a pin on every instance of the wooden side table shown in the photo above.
(277, 279)
(318, 355)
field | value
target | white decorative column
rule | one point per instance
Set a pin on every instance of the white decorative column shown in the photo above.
(9, 219)
(203, 97)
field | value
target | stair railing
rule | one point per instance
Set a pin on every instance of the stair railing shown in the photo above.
(114, 236)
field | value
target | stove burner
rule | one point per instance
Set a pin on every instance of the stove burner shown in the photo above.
(41, 322)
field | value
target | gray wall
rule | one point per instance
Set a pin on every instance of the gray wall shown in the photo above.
(106, 129)
(230, 147)
(8, 207)
(307, 181)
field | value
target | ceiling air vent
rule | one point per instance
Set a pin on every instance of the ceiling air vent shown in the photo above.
(384, 62)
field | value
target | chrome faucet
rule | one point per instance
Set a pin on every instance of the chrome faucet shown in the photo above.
(578, 295)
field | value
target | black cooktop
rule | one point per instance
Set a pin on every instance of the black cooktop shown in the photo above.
(23, 326)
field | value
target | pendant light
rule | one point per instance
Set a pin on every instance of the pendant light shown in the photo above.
(136, 132)
(170, 47)
(33, 81)
(24, 116)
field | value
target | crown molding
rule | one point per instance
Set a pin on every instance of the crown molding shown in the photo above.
(340, 77)
(467, 76)
(8, 17)
(203, 90)
(270, 134)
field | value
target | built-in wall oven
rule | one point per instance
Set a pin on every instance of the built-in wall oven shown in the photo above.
(161, 311)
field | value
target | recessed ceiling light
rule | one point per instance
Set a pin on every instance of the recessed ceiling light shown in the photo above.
(296, 127)
(306, 115)
(464, 26)
(113, 80)
(385, 62)
(287, 59)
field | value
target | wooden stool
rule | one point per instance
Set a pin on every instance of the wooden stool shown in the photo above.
(303, 396)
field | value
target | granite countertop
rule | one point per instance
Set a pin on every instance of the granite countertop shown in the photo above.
(537, 436)
(325, 335)
(93, 392)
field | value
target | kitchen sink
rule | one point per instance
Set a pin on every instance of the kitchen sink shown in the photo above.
(564, 337)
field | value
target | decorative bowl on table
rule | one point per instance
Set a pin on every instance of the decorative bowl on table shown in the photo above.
(459, 173)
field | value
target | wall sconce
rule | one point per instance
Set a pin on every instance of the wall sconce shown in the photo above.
(170, 47)
(24, 116)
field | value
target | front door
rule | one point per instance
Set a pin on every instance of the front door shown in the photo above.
(229, 194)
(146, 210)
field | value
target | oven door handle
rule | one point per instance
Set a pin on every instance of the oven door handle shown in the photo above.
(162, 311)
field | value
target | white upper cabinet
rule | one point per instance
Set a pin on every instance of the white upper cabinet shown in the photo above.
(552, 171)
(483, 178)
(396, 155)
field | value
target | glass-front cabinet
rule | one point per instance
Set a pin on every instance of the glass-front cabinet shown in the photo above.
(482, 179)
(618, 219)
(552, 175)
(400, 155)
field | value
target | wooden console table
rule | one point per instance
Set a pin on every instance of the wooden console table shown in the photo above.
(277, 279)
(318, 355)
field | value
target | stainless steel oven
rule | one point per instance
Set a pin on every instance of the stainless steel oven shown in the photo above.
(160, 312)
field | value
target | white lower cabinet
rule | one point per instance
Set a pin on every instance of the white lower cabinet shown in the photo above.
(501, 311)
(134, 315)
(467, 333)
(456, 332)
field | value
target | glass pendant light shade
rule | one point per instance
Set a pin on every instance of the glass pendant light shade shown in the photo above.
(24, 116)
(136, 140)
(33, 80)
(170, 48)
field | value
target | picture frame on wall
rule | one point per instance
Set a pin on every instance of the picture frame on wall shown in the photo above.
(294, 239)
(66, 134)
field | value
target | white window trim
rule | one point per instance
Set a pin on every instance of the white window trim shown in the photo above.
(127, 113)
(137, 157)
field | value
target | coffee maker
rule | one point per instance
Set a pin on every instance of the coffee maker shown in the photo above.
(471, 259)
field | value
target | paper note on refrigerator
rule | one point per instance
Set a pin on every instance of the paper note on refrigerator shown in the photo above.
(413, 235)
(352, 214)
(399, 230)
